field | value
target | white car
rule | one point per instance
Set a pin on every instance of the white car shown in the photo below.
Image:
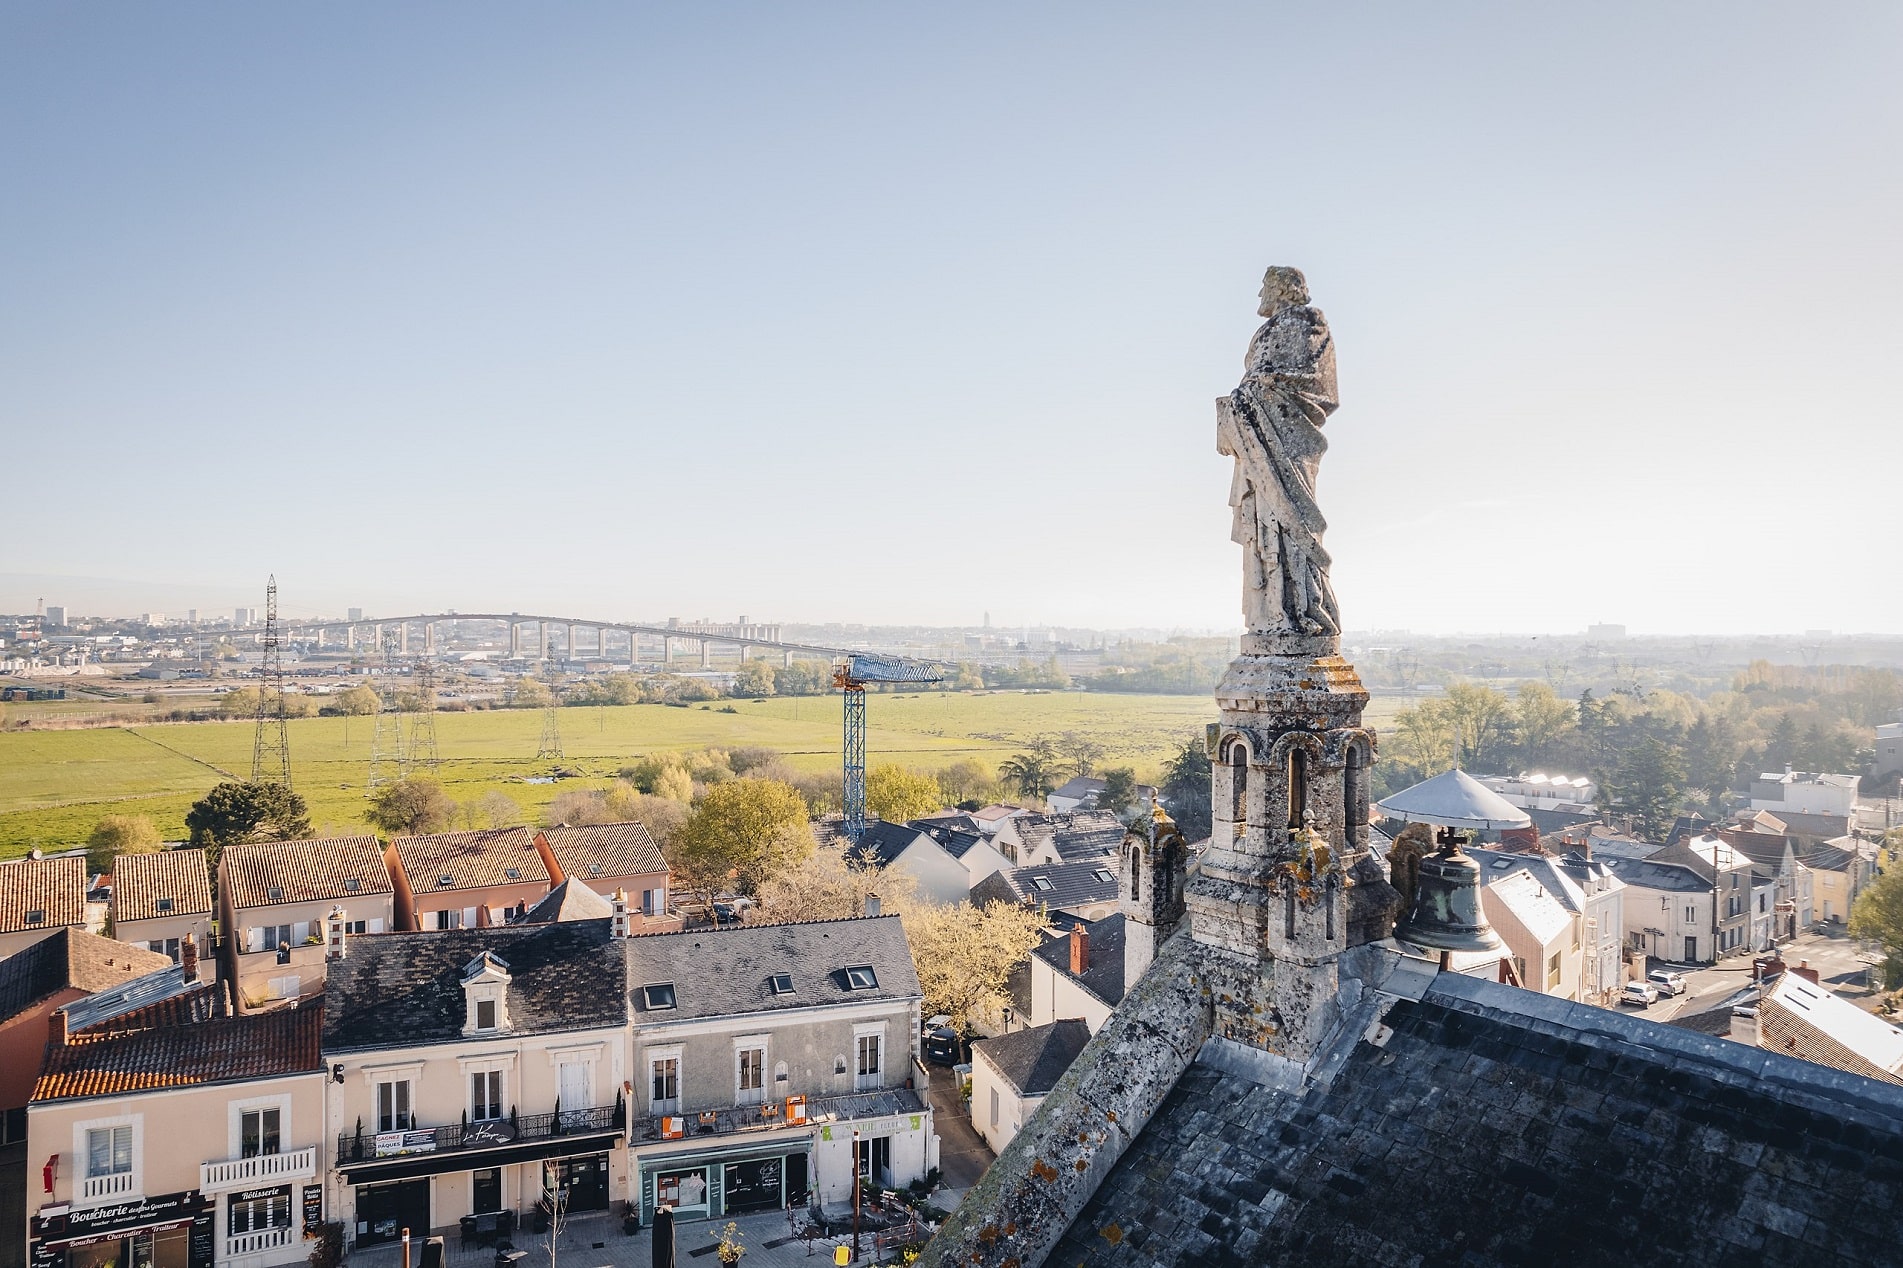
(1639, 994)
(1668, 982)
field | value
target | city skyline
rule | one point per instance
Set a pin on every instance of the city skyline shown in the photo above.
(893, 318)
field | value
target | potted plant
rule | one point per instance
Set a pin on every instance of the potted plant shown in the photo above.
(730, 1246)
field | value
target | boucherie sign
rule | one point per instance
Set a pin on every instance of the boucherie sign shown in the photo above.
(123, 1217)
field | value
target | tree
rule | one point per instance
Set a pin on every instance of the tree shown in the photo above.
(663, 818)
(897, 795)
(1186, 789)
(233, 812)
(966, 781)
(496, 809)
(114, 835)
(530, 693)
(1649, 785)
(410, 807)
(833, 885)
(578, 808)
(754, 678)
(1080, 753)
(1878, 915)
(1119, 790)
(965, 955)
(1032, 774)
(359, 701)
(1545, 724)
(1482, 723)
(743, 831)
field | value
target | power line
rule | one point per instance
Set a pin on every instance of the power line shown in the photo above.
(270, 712)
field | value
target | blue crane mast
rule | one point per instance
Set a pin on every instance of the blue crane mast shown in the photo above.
(851, 678)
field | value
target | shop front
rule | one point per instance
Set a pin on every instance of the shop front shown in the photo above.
(169, 1230)
(729, 1179)
(477, 1189)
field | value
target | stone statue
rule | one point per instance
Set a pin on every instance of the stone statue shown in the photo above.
(1272, 426)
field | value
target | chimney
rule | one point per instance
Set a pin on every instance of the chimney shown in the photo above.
(1805, 971)
(1079, 950)
(620, 925)
(188, 956)
(56, 1027)
(872, 904)
(336, 937)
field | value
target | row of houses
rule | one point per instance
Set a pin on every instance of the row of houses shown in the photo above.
(463, 1081)
(271, 898)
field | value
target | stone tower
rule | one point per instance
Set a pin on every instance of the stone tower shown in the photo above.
(1287, 884)
(1149, 889)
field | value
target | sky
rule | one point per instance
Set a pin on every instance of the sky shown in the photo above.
(907, 313)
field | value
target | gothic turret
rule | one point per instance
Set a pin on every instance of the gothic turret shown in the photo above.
(1149, 889)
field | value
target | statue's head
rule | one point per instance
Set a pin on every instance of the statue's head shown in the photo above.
(1281, 285)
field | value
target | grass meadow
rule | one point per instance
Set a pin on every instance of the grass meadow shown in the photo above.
(55, 784)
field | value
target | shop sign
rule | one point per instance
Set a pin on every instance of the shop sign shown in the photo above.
(94, 1222)
(496, 1132)
(313, 1208)
(872, 1127)
(390, 1144)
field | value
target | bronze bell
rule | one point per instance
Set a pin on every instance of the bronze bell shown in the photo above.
(1447, 914)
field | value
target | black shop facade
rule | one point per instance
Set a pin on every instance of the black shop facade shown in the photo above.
(166, 1230)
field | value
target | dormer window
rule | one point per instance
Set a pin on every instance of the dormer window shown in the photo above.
(860, 977)
(781, 983)
(161, 904)
(486, 994)
(275, 893)
(658, 996)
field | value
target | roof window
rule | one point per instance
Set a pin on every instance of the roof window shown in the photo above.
(513, 873)
(37, 916)
(594, 869)
(860, 977)
(659, 995)
(353, 885)
(782, 983)
(445, 880)
(161, 904)
(1500, 865)
(1042, 882)
(275, 893)
(1104, 877)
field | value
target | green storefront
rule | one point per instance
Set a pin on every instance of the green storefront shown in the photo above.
(713, 1180)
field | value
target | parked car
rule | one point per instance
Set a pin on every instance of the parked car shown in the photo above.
(942, 1046)
(1639, 994)
(1668, 982)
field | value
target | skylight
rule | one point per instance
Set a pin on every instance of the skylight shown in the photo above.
(275, 893)
(659, 995)
(1042, 882)
(594, 869)
(445, 880)
(36, 917)
(860, 977)
(353, 885)
(1104, 877)
(782, 983)
(1502, 864)
(161, 904)
(513, 873)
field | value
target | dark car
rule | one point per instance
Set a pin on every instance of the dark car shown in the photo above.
(941, 1045)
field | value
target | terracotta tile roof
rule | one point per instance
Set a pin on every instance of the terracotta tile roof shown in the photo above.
(471, 860)
(53, 888)
(173, 1053)
(605, 849)
(265, 873)
(71, 959)
(142, 885)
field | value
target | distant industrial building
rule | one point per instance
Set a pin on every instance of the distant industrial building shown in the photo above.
(56, 614)
(244, 618)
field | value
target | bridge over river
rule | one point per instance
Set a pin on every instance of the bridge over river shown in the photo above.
(534, 636)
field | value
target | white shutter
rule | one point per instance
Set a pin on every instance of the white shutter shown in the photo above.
(300, 931)
(576, 1094)
(469, 917)
(254, 939)
(374, 926)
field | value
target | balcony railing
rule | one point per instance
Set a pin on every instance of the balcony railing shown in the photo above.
(768, 1117)
(112, 1185)
(251, 1243)
(370, 1146)
(240, 1173)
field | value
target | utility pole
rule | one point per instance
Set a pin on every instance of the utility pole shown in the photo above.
(270, 711)
(857, 1171)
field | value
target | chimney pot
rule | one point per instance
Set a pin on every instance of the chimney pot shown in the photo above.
(1079, 950)
(56, 1027)
(188, 956)
(621, 926)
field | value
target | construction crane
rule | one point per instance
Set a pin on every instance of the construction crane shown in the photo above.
(851, 678)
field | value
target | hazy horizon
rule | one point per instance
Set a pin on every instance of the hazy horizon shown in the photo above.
(888, 315)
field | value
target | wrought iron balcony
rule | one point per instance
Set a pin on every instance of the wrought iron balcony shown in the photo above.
(820, 1110)
(370, 1146)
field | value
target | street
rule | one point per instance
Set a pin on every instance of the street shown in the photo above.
(1839, 963)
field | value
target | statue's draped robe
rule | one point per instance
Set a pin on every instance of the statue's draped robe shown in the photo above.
(1271, 425)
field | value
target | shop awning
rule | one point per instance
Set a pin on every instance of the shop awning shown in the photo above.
(410, 1166)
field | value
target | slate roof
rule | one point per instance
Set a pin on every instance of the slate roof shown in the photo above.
(1827, 856)
(70, 959)
(885, 841)
(958, 820)
(1031, 1060)
(1496, 1126)
(570, 900)
(394, 989)
(726, 972)
(140, 881)
(174, 1054)
(952, 837)
(1664, 876)
(314, 870)
(472, 860)
(1079, 788)
(163, 996)
(1054, 885)
(55, 888)
(1549, 873)
(1085, 834)
(1104, 977)
(605, 849)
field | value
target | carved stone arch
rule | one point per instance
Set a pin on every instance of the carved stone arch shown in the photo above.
(1356, 762)
(1136, 872)
(1299, 758)
(1227, 749)
(1316, 746)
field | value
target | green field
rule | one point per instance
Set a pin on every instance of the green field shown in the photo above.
(54, 785)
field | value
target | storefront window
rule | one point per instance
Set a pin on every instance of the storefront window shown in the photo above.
(682, 1190)
(256, 1211)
